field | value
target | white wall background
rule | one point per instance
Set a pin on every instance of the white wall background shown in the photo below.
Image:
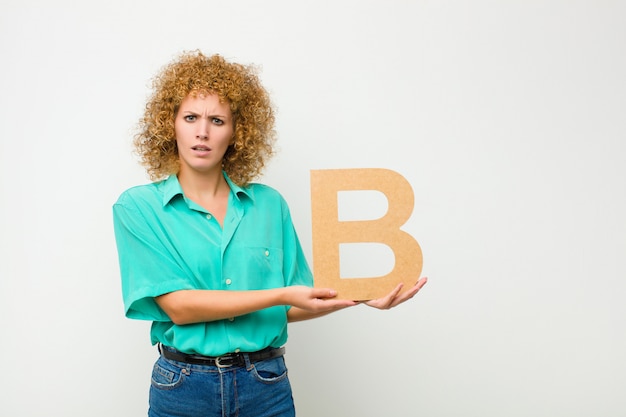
(508, 119)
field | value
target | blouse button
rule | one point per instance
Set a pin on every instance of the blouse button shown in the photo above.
(267, 253)
(209, 217)
(228, 281)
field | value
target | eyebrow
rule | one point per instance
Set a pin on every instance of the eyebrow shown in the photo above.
(193, 113)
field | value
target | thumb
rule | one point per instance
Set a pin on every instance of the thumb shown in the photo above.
(324, 293)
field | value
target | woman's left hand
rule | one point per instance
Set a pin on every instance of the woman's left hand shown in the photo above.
(396, 297)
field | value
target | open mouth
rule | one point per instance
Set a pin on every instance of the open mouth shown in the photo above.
(201, 148)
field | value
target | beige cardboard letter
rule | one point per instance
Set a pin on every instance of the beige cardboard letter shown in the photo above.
(329, 232)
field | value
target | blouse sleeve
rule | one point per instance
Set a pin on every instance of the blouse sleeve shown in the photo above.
(148, 267)
(295, 266)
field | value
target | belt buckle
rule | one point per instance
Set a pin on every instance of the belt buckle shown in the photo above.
(224, 361)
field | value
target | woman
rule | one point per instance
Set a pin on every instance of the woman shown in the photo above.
(209, 257)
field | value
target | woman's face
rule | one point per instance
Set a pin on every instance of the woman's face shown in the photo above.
(204, 129)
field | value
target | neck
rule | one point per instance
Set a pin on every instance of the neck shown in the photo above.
(203, 186)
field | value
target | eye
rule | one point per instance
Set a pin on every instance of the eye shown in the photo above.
(217, 121)
(190, 118)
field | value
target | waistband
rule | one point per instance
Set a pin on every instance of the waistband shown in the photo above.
(223, 361)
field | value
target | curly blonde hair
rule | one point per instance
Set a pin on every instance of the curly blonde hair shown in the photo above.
(236, 84)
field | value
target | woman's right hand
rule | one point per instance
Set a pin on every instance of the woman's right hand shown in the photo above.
(308, 303)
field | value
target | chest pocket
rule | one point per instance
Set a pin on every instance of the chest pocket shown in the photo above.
(256, 267)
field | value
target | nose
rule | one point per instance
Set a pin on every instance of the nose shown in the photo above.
(203, 129)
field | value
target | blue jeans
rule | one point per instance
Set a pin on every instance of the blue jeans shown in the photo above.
(259, 389)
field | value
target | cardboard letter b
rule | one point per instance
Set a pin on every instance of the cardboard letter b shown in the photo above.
(329, 232)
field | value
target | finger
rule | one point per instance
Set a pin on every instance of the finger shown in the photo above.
(388, 300)
(391, 297)
(395, 297)
(394, 293)
(405, 296)
(382, 303)
(421, 282)
(411, 293)
(414, 290)
(323, 293)
(336, 304)
(332, 305)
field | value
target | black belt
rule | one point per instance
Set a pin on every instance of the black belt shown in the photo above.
(224, 361)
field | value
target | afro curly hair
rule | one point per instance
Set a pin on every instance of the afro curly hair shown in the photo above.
(236, 84)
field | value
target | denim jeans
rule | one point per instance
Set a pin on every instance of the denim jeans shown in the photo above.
(259, 389)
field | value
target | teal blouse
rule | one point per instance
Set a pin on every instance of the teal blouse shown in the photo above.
(166, 243)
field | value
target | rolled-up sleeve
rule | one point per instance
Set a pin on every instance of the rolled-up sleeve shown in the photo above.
(295, 267)
(147, 266)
